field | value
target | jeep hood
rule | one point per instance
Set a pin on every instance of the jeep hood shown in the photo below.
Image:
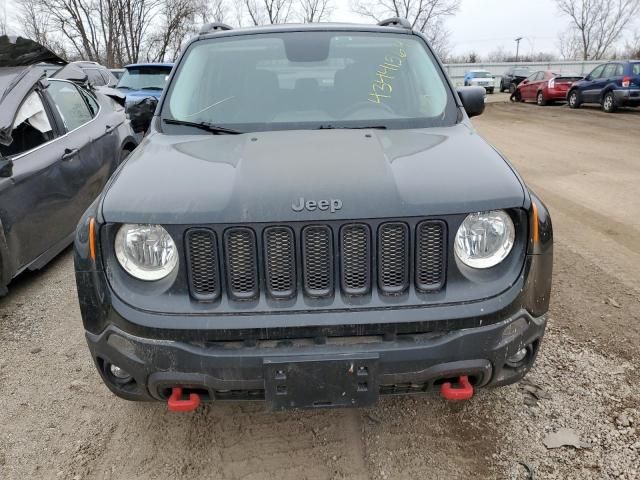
(256, 177)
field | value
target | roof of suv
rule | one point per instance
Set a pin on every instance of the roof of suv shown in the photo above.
(297, 27)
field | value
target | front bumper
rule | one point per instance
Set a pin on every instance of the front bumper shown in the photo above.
(409, 363)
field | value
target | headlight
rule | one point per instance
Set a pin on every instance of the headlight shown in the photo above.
(484, 239)
(147, 252)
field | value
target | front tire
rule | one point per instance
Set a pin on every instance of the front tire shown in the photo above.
(609, 103)
(540, 100)
(573, 100)
(490, 90)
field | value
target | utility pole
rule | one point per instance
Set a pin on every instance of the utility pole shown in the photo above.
(518, 47)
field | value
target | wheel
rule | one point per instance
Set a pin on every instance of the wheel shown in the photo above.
(573, 100)
(609, 103)
(540, 99)
(490, 90)
(502, 89)
(512, 87)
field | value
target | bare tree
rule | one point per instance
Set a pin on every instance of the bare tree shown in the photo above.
(420, 13)
(426, 16)
(570, 46)
(75, 20)
(177, 21)
(631, 47)
(596, 24)
(34, 21)
(263, 12)
(438, 36)
(315, 10)
(135, 18)
(214, 11)
(36, 24)
(3, 23)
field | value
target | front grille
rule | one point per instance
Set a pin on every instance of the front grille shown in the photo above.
(204, 274)
(280, 262)
(317, 261)
(430, 255)
(355, 246)
(241, 263)
(393, 258)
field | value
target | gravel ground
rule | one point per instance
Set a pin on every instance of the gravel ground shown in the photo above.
(59, 421)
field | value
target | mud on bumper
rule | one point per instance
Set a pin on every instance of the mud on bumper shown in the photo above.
(397, 364)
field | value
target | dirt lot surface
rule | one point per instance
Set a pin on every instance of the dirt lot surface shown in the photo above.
(58, 421)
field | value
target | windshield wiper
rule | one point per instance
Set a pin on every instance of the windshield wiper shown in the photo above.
(334, 127)
(209, 127)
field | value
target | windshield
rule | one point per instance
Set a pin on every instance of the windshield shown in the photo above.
(521, 72)
(140, 78)
(481, 75)
(299, 80)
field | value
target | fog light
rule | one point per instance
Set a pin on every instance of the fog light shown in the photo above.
(516, 359)
(119, 373)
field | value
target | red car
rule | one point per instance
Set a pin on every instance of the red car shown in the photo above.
(545, 86)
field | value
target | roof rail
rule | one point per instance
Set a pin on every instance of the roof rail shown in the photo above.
(213, 27)
(395, 22)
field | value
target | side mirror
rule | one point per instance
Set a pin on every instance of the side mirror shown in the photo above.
(588, 77)
(472, 100)
(6, 167)
(141, 113)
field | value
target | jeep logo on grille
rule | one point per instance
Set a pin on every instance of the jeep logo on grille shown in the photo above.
(333, 205)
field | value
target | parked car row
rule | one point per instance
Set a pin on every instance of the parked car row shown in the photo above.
(612, 85)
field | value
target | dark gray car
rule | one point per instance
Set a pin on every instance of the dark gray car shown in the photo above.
(313, 221)
(59, 143)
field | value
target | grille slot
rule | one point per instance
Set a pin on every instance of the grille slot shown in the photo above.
(203, 266)
(393, 258)
(355, 250)
(430, 255)
(280, 262)
(241, 263)
(317, 260)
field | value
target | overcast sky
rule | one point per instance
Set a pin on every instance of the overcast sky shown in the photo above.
(484, 25)
(480, 25)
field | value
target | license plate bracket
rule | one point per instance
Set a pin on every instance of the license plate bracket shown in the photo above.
(321, 381)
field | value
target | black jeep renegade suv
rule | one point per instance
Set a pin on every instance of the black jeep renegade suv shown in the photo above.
(313, 221)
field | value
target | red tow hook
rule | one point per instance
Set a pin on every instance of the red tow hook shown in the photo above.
(463, 392)
(177, 404)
